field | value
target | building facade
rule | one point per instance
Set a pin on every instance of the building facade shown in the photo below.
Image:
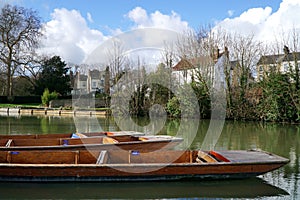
(94, 81)
(280, 63)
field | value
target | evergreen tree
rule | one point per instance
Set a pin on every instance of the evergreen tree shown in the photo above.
(54, 77)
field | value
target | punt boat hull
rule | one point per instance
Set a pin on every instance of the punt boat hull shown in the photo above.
(240, 164)
(90, 141)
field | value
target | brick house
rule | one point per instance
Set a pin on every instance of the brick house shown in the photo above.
(282, 63)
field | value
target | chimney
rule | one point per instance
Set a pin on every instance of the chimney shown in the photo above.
(226, 52)
(286, 50)
(216, 54)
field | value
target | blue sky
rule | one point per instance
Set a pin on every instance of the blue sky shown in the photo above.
(112, 13)
(74, 28)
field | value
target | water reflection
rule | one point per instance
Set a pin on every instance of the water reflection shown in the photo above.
(250, 188)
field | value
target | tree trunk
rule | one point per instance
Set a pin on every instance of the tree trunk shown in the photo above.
(9, 83)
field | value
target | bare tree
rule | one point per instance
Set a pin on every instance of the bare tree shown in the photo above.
(116, 59)
(19, 34)
(246, 51)
(291, 45)
(169, 57)
(190, 52)
(201, 50)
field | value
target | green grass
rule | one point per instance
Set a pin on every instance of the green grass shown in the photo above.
(28, 106)
(32, 105)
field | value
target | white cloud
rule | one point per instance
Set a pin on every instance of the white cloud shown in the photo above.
(144, 43)
(230, 13)
(139, 16)
(256, 15)
(157, 20)
(68, 36)
(89, 17)
(264, 23)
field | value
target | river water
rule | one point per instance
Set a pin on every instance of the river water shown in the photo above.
(281, 139)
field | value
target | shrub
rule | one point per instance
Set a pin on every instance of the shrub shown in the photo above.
(47, 97)
(173, 107)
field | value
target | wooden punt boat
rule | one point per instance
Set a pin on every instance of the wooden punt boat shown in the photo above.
(69, 135)
(90, 141)
(112, 165)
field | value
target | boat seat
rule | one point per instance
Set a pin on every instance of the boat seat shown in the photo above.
(8, 143)
(102, 158)
(203, 157)
(143, 139)
(108, 140)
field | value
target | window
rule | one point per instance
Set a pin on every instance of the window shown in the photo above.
(83, 84)
(285, 67)
(185, 74)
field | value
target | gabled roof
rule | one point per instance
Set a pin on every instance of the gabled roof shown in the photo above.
(185, 64)
(291, 57)
(275, 59)
(270, 59)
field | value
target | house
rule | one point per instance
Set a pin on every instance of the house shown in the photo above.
(94, 81)
(80, 84)
(282, 63)
(210, 66)
(186, 69)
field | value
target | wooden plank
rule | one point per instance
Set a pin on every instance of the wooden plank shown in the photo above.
(37, 142)
(108, 140)
(218, 156)
(102, 158)
(175, 156)
(8, 157)
(78, 141)
(88, 157)
(3, 142)
(76, 157)
(3, 156)
(8, 143)
(41, 157)
(205, 157)
(118, 157)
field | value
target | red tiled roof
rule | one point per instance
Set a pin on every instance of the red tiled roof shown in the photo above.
(185, 64)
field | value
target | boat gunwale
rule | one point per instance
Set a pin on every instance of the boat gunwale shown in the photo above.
(281, 161)
(89, 145)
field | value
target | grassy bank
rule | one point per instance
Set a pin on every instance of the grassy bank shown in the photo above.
(36, 106)
(20, 105)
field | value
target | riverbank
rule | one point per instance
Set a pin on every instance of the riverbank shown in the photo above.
(50, 112)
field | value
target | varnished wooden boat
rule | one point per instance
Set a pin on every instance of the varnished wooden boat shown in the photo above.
(70, 135)
(112, 165)
(91, 141)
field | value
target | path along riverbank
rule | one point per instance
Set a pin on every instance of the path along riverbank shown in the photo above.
(50, 112)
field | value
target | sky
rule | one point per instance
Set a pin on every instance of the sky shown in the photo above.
(75, 28)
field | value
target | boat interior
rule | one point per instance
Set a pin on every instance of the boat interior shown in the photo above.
(68, 141)
(58, 141)
(109, 157)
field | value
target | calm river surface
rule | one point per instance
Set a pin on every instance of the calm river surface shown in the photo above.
(281, 139)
